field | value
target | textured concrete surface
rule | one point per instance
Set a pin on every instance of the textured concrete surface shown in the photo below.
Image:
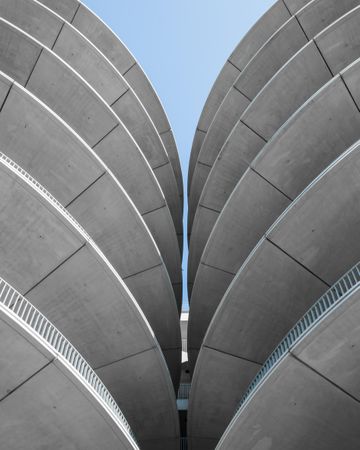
(70, 170)
(313, 392)
(45, 256)
(311, 245)
(299, 151)
(273, 19)
(316, 16)
(41, 398)
(110, 45)
(64, 91)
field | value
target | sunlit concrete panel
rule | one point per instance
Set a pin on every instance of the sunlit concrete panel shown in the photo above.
(110, 45)
(318, 15)
(301, 149)
(67, 94)
(323, 344)
(270, 58)
(273, 19)
(301, 77)
(71, 171)
(41, 396)
(64, 274)
(311, 245)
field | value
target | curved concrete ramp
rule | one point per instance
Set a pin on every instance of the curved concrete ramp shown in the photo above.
(76, 50)
(48, 257)
(47, 387)
(311, 382)
(300, 150)
(37, 140)
(54, 82)
(303, 253)
(110, 45)
(289, 39)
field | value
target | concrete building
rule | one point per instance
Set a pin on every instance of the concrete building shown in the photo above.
(90, 239)
(96, 351)
(273, 221)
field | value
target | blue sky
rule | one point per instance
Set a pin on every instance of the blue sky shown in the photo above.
(182, 46)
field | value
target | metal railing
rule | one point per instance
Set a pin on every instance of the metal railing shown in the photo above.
(323, 306)
(39, 188)
(29, 317)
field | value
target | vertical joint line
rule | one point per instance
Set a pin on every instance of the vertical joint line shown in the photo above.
(349, 92)
(32, 70)
(57, 37)
(76, 11)
(326, 63)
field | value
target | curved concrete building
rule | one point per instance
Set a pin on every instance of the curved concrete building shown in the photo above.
(273, 223)
(91, 214)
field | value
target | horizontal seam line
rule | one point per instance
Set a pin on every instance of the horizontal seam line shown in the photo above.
(122, 95)
(126, 357)
(106, 135)
(164, 132)
(298, 262)
(217, 268)
(324, 377)
(234, 356)
(153, 210)
(237, 89)
(53, 270)
(161, 165)
(210, 209)
(27, 379)
(267, 181)
(141, 271)
(204, 164)
(128, 70)
(88, 187)
(236, 67)
(255, 132)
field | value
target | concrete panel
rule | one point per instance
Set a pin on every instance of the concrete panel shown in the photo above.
(238, 230)
(18, 54)
(295, 5)
(67, 94)
(196, 145)
(110, 45)
(213, 400)
(65, 8)
(203, 224)
(325, 243)
(82, 294)
(86, 59)
(50, 411)
(332, 347)
(302, 148)
(54, 155)
(231, 108)
(89, 62)
(271, 57)
(245, 50)
(296, 82)
(43, 24)
(168, 140)
(306, 412)
(232, 162)
(67, 167)
(141, 370)
(328, 11)
(340, 42)
(268, 296)
(59, 87)
(32, 242)
(19, 358)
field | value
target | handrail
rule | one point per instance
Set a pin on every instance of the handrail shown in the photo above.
(14, 304)
(335, 295)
